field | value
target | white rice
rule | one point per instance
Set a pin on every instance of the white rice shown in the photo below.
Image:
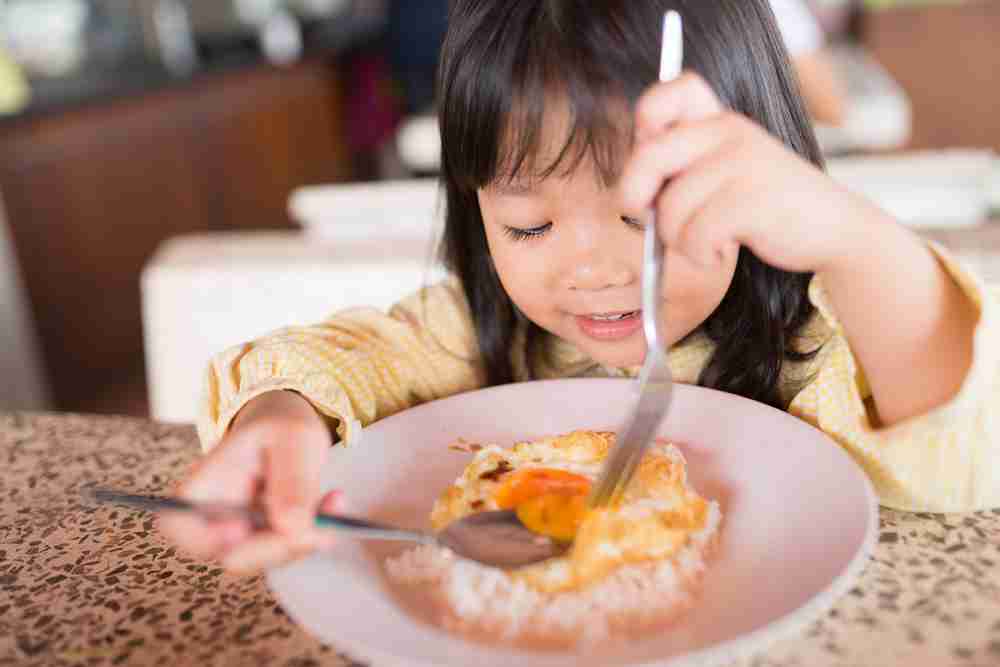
(487, 602)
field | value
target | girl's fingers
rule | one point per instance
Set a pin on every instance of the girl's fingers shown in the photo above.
(268, 550)
(191, 534)
(230, 472)
(687, 194)
(224, 475)
(272, 457)
(207, 540)
(686, 99)
(292, 493)
(202, 539)
(657, 160)
(713, 231)
(332, 502)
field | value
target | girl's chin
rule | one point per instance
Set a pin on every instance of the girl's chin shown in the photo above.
(616, 355)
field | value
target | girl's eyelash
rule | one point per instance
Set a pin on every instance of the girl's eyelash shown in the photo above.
(518, 234)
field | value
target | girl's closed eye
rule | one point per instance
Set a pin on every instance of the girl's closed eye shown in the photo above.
(524, 234)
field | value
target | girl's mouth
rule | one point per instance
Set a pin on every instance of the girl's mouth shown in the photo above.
(610, 326)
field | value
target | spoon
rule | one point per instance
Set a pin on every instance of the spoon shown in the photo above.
(497, 539)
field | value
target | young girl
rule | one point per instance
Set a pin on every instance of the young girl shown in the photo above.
(781, 286)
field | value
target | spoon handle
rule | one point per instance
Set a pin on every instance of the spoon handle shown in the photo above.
(358, 527)
(370, 530)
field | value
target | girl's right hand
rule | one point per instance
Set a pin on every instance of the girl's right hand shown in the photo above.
(271, 458)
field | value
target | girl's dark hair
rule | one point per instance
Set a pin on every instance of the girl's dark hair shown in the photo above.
(501, 62)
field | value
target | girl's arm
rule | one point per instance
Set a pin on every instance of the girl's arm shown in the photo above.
(908, 322)
(359, 366)
(911, 330)
(719, 180)
(264, 409)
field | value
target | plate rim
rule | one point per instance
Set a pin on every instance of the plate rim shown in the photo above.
(740, 647)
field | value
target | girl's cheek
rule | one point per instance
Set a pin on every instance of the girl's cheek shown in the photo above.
(523, 276)
(700, 290)
(517, 260)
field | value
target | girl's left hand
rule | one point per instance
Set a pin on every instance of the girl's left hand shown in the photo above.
(730, 183)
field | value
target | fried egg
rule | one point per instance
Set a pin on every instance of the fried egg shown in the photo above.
(547, 483)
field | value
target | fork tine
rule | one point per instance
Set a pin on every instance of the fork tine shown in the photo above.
(629, 450)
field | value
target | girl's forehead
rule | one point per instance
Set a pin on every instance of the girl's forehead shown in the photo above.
(585, 173)
(556, 140)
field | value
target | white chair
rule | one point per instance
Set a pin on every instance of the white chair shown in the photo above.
(367, 245)
(385, 210)
(926, 189)
(24, 386)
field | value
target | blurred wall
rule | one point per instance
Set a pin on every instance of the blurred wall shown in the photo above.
(946, 57)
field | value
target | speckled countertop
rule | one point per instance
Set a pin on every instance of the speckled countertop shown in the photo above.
(95, 587)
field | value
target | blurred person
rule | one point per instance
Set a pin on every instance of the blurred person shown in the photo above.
(417, 28)
(821, 89)
(415, 32)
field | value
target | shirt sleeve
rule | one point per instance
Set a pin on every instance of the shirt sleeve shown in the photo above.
(799, 28)
(947, 460)
(357, 367)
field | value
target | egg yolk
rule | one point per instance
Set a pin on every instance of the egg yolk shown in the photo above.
(547, 501)
(554, 515)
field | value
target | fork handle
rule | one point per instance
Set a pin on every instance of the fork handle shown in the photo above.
(655, 385)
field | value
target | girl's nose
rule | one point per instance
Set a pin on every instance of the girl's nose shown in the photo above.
(598, 268)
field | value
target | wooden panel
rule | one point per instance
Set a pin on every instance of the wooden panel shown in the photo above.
(947, 59)
(89, 197)
(91, 193)
(276, 133)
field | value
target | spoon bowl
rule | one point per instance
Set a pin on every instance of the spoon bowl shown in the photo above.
(498, 539)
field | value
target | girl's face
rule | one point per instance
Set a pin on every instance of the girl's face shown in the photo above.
(573, 265)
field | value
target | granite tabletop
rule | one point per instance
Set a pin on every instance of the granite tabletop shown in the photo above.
(99, 586)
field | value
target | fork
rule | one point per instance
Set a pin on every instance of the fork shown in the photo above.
(655, 382)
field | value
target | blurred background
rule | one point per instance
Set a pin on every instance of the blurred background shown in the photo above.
(177, 176)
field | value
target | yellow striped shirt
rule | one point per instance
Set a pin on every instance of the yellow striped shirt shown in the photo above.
(363, 364)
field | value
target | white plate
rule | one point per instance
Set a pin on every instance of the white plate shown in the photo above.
(800, 519)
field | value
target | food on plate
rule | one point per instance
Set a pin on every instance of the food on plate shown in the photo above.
(630, 568)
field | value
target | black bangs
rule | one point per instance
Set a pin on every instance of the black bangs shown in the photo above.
(521, 61)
